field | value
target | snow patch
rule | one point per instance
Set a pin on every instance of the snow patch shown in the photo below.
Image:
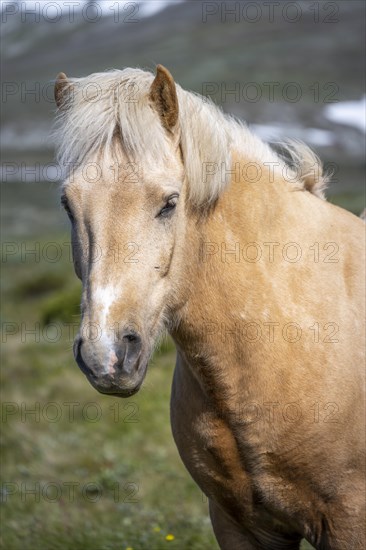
(348, 113)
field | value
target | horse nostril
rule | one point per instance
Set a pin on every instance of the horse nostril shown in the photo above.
(78, 347)
(129, 351)
(132, 338)
(80, 361)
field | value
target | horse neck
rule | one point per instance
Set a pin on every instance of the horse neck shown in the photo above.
(217, 275)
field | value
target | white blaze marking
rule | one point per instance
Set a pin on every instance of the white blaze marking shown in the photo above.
(104, 298)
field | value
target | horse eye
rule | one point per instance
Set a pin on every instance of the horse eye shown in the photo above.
(169, 206)
(67, 208)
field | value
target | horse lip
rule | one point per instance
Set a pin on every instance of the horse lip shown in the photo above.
(122, 393)
(116, 386)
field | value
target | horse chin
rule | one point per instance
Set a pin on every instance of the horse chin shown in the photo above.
(121, 392)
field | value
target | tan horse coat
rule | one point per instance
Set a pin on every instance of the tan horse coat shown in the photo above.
(273, 429)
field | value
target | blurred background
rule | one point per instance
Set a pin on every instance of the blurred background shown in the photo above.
(80, 470)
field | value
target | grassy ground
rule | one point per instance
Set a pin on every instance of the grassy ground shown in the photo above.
(79, 470)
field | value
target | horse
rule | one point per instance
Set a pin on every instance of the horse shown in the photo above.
(184, 221)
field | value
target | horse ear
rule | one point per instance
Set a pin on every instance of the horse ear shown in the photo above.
(163, 95)
(61, 84)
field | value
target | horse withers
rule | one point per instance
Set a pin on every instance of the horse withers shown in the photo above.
(231, 248)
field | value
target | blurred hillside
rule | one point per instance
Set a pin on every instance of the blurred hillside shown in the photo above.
(285, 78)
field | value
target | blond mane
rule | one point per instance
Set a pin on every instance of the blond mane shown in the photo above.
(103, 105)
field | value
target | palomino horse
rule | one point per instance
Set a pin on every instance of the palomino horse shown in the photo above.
(183, 220)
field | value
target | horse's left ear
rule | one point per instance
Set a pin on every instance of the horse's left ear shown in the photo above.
(61, 84)
(163, 95)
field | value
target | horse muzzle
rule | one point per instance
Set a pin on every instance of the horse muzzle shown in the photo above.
(116, 368)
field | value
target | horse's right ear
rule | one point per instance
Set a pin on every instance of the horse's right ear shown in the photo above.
(61, 85)
(163, 95)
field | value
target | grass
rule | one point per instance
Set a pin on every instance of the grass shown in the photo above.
(79, 469)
